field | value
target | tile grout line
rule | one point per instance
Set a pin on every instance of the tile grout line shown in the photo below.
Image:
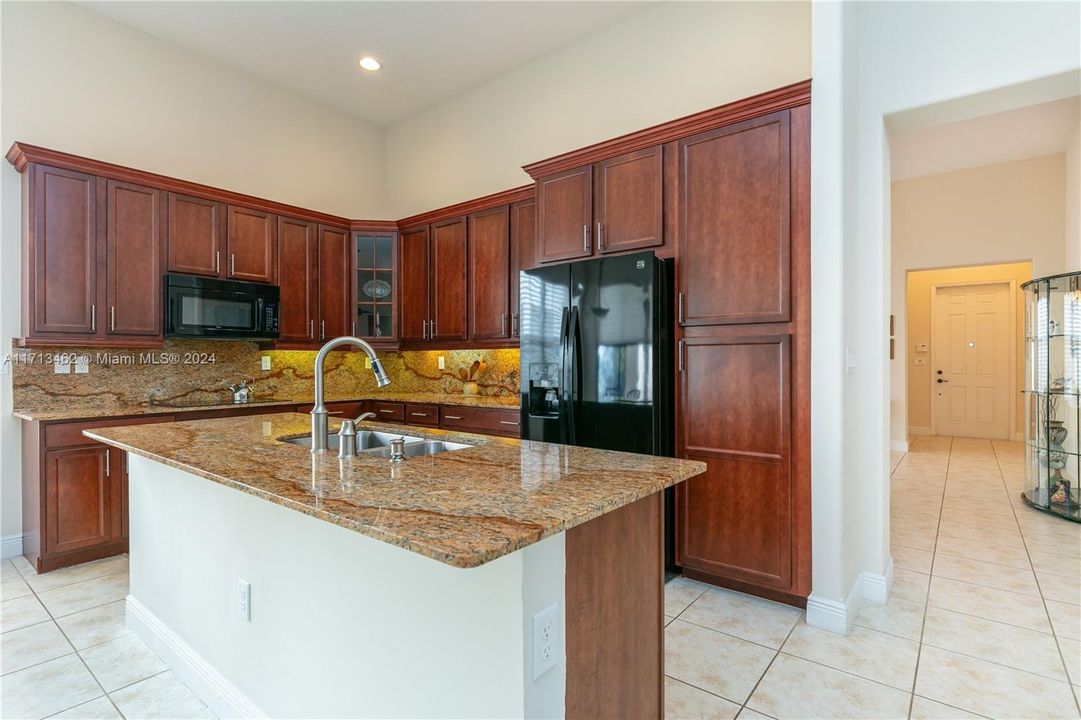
(1043, 599)
(930, 577)
(762, 677)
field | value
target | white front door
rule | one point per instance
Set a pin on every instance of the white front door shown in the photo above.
(972, 351)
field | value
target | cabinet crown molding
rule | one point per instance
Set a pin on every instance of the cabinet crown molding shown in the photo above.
(783, 98)
(468, 207)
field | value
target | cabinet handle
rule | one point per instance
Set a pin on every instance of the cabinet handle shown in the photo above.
(107, 454)
(507, 422)
(600, 236)
(217, 261)
(431, 329)
(681, 308)
(353, 327)
(514, 325)
(112, 318)
(385, 410)
(417, 414)
(452, 417)
(322, 329)
(423, 329)
(93, 317)
(585, 239)
(311, 329)
(681, 345)
(504, 324)
(232, 264)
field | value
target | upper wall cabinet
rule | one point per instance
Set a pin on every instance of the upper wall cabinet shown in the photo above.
(523, 253)
(414, 285)
(335, 296)
(253, 245)
(133, 259)
(489, 274)
(375, 287)
(448, 280)
(196, 227)
(298, 272)
(565, 215)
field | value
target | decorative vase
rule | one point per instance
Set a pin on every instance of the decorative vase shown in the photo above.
(1056, 456)
(469, 387)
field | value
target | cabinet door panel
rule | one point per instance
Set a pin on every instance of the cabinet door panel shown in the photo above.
(736, 519)
(252, 245)
(565, 209)
(734, 239)
(297, 256)
(64, 251)
(414, 284)
(133, 259)
(335, 273)
(523, 248)
(630, 201)
(489, 274)
(194, 236)
(78, 499)
(448, 280)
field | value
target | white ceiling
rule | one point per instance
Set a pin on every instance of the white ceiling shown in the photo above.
(431, 51)
(1027, 132)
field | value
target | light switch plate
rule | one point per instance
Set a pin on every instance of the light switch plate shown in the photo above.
(442, 363)
(265, 362)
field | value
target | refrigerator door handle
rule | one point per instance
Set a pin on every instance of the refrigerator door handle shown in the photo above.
(574, 340)
(564, 409)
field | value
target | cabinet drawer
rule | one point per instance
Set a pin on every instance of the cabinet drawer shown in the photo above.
(421, 414)
(483, 420)
(339, 409)
(389, 411)
(71, 433)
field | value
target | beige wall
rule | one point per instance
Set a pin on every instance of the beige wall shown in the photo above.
(669, 61)
(1073, 201)
(980, 216)
(920, 307)
(76, 81)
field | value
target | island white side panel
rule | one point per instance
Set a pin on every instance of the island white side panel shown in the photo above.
(342, 625)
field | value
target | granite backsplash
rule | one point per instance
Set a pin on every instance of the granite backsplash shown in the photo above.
(198, 371)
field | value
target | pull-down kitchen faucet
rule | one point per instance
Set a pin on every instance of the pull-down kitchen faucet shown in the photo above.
(319, 412)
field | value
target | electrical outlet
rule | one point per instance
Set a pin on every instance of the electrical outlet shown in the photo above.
(265, 362)
(82, 365)
(442, 363)
(61, 367)
(243, 598)
(546, 650)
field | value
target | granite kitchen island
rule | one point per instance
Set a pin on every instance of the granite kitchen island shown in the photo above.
(506, 579)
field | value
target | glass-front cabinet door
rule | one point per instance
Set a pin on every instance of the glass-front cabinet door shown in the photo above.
(376, 292)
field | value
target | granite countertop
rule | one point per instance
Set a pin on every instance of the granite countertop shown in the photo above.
(463, 508)
(91, 412)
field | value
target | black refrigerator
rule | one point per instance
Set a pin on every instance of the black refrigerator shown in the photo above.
(596, 357)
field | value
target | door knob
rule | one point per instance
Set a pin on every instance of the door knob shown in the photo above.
(939, 372)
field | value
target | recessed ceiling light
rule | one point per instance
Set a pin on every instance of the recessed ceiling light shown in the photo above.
(370, 63)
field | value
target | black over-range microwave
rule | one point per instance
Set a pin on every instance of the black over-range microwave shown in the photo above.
(208, 308)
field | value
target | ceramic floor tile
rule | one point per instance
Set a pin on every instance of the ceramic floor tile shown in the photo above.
(912, 538)
(989, 689)
(94, 626)
(748, 714)
(1071, 657)
(47, 688)
(993, 575)
(715, 662)
(903, 618)
(795, 688)
(12, 584)
(1014, 556)
(874, 655)
(1065, 619)
(679, 593)
(911, 559)
(908, 585)
(988, 603)
(23, 566)
(750, 618)
(21, 612)
(78, 573)
(161, 696)
(86, 594)
(100, 709)
(992, 641)
(32, 645)
(1059, 588)
(122, 662)
(1053, 564)
(684, 702)
(924, 709)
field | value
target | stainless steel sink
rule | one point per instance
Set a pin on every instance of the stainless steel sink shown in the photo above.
(366, 440)
(424, 447)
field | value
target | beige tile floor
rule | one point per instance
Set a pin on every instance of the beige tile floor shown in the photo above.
(984, 619)
(66, 653)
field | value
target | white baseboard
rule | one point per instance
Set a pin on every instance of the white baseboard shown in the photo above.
(834, 615)
(919, 430)
(222, 697)
(11, 546)
(876, 586)
(899, 446)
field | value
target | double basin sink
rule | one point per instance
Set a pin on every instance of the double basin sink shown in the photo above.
(371, 442)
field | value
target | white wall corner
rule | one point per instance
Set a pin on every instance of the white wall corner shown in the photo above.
(11, 546)
(919, 430)
(899, 446)
(222, 697)
(835, 615)
(876, 586)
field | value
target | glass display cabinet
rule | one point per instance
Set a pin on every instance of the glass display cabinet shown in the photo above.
(1052, 390)
(375, 287)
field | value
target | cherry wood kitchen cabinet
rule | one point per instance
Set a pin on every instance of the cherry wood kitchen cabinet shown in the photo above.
(523, 253)
(252, 244)
(489, 274)
(629, 201)
(133, 259)
(413, 287)
(298, 272)
(195, 230)
(335, 274)
(447, 291)
(565, 215)
(375, 287)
